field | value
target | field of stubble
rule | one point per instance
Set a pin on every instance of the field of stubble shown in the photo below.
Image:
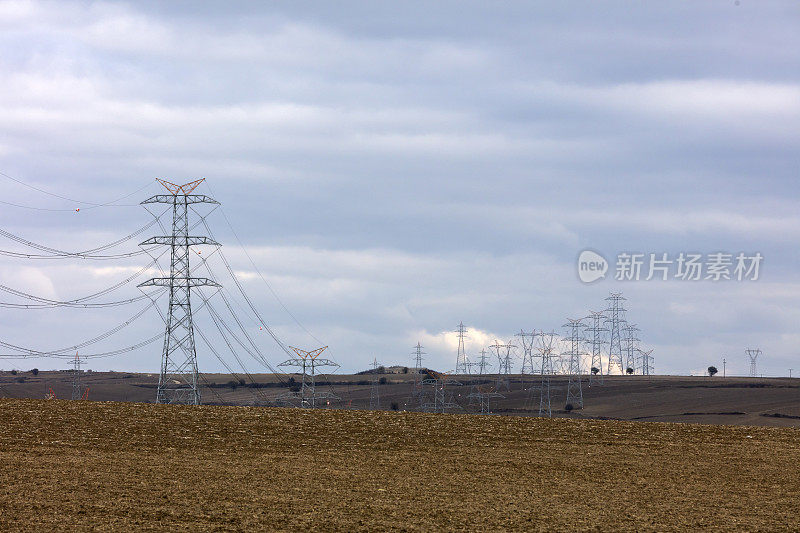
(120, 466)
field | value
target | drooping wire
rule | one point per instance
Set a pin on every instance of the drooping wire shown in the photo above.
(91, 205)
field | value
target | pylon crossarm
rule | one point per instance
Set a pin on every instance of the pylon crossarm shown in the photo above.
(179, 240)
(182, 282)
(182, 198)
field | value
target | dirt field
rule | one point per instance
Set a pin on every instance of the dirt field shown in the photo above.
(717, 400)
(124, 466)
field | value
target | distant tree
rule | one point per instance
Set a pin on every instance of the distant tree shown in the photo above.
(233, 384)
(35, 371)
(21, 379)
(569, 407)
(629, 371)
(405, 370)
(383, 381)
(712, 370)
(241, 382)
(595, 370)
(395, 406)
(13, 372)
(381, 370)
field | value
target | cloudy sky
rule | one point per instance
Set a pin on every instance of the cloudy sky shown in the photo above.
(395, 168)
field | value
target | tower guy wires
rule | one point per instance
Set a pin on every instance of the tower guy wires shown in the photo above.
(503, 353)
(527, 349)
(752, 354)
(631, 347)
(177, 382)
(615, 318)
(596, 341)
(461, 358)
(374, 393)
(574, 390)
(308, 362)
(442, 398)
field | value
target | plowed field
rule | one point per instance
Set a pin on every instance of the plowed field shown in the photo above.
(123, 466)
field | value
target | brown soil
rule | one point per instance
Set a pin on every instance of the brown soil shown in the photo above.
(124, 466)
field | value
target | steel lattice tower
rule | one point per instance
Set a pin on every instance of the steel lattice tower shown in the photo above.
(461, 358)
(647, 362)
(574, 390)
(374, 393)
(483, 363)
(527, 349)
(442, 399)
(752, 354)
(417, 389)
(596, 342)
(484, 395)
(546, 351)
(308, 362)
(503, 353)
(631, 346)
(77, 387)
(177, 382)
(615, 318)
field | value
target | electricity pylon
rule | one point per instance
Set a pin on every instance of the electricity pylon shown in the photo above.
(527, 349)
(416, 391)
(546, 351)
(615, 318)
(461, 358)
(631, 346)
(308, 362)
(484, 395)
(752, 354)
(374, 393)
(596, 342)
(574, 390)
(442, 399)
(177, 382)
(78, 392)
(647, 362)
(503, 353)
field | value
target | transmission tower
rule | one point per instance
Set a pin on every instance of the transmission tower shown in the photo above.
(631, 346)
(596, 343)
(483, 364)
(461, 358)
(308, 362)
(527, 349)
(647, 362)
(503, 353)
(442, 398)
(374, 393)
(546, 351)
(417, 390)
(78, 392)
(575, 339)
(615, 318)
(484, 395)
(752, 354)
(177, 382)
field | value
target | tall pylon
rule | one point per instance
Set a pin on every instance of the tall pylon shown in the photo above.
(483, 363)
(178, 382)
(417, 390)
(503, 353)
(575, 339)
(752, 355)
(374, 393)
(596, 341)
(615, 318)
(546, 341)
(631, 346)
(647, 361)
(308, 362)
(461, 357)
(77, 387)
(527, 340)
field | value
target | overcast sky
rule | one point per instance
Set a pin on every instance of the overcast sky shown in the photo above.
(396, 168)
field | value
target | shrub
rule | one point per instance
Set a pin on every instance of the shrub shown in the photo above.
(383, 381)
(595, 370)
(712, 370)
(35, 371)
(405, 370)
(13, 372)
(395, 406)
(569, 407)
(629, 371)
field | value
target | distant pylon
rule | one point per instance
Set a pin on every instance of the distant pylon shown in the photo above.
(615, 318)
(546, 369)
(484, 395)
(177, 382)
(574, 389)
(77, 388)
(503, 353)
(631, 346)
(308, 362)
(483, 363)
(527, 349)
(647, 362)
(417, 389)
(442, 398)
(596, 342)
(374, 394)
(461, 356)
(752, 354)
